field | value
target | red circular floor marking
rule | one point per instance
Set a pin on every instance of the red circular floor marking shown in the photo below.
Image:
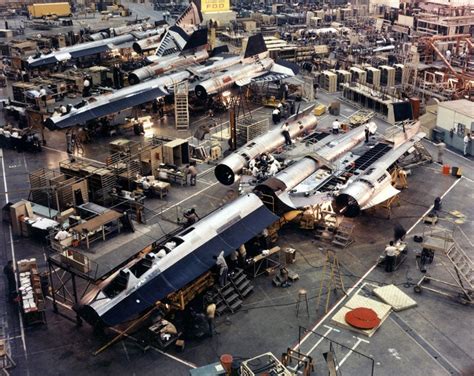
(362, 318)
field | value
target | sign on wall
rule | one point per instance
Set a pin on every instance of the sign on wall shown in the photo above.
(215, 5)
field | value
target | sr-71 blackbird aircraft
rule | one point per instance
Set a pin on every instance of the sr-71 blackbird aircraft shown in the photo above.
(147, 91)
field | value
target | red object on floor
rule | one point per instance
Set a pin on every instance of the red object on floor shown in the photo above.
(362, 318)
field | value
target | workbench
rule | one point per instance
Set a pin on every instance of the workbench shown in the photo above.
(178, 177)
(95, 225)
(266, 259)
(400, 256)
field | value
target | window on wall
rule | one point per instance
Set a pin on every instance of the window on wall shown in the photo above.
(460, 129)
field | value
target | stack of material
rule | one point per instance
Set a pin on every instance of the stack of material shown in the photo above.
(357, 301)
(394, 297)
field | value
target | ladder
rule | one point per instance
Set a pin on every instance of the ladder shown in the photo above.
(332, 279)
(463, 266)
(463, 274)
(181, 108)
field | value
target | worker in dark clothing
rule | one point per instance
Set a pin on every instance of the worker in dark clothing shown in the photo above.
(10, 275)
(191, 217)
(399, 232)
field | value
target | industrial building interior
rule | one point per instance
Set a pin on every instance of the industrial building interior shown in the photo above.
(229, 187)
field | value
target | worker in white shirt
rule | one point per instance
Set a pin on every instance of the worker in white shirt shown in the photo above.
(61, 235)
(390, 257)
(467, 139)
(276, 116)
(441, 146)
(286, 133)
(336, 126)
(223, 268)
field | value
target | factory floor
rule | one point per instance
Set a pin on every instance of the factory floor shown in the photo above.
(433, 338)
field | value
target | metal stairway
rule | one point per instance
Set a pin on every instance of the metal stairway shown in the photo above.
(229, 298)
(181, 108)
(241, 283)
(463, 266)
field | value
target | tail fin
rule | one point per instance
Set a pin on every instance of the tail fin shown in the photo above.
(196, 40)
(255, 45)
(191, 16)
(220, 50)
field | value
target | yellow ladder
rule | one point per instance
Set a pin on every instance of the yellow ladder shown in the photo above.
(332, 279)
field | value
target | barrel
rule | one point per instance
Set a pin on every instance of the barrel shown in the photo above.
(226, 361)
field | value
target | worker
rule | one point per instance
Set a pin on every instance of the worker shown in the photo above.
(448, 54)
(10, 275)
(86, 92)
(61, 235)
(242, 255)
(192, 172)
(191, 217)
(336, 126)
(367, 132)
(276, 116)
(146, 187)
(285, 132)
(441, 146)
(399, 232)
(211, 314)
(437, 205)
(234, 260)
(467, 139)
(69, 145)
(223, 268)
(42, 95)
(390, 256)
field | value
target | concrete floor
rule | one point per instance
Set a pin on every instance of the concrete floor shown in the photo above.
(434, 338)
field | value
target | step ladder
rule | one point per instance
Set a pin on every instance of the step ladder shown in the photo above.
(462, 271)
(343, 235)
(463, 266)
(332, 279)
(241, 283)
(181, 106)
(227, 299)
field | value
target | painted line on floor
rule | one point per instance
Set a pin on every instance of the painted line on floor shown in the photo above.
(361, 279)
(425, 345)
(330, 329)
(431, 207)
(76, 156)
(187, 198)
(13, 258)
(359, 341)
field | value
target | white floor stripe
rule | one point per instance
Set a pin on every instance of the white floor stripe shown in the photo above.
(13, 258)
(338, 303)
